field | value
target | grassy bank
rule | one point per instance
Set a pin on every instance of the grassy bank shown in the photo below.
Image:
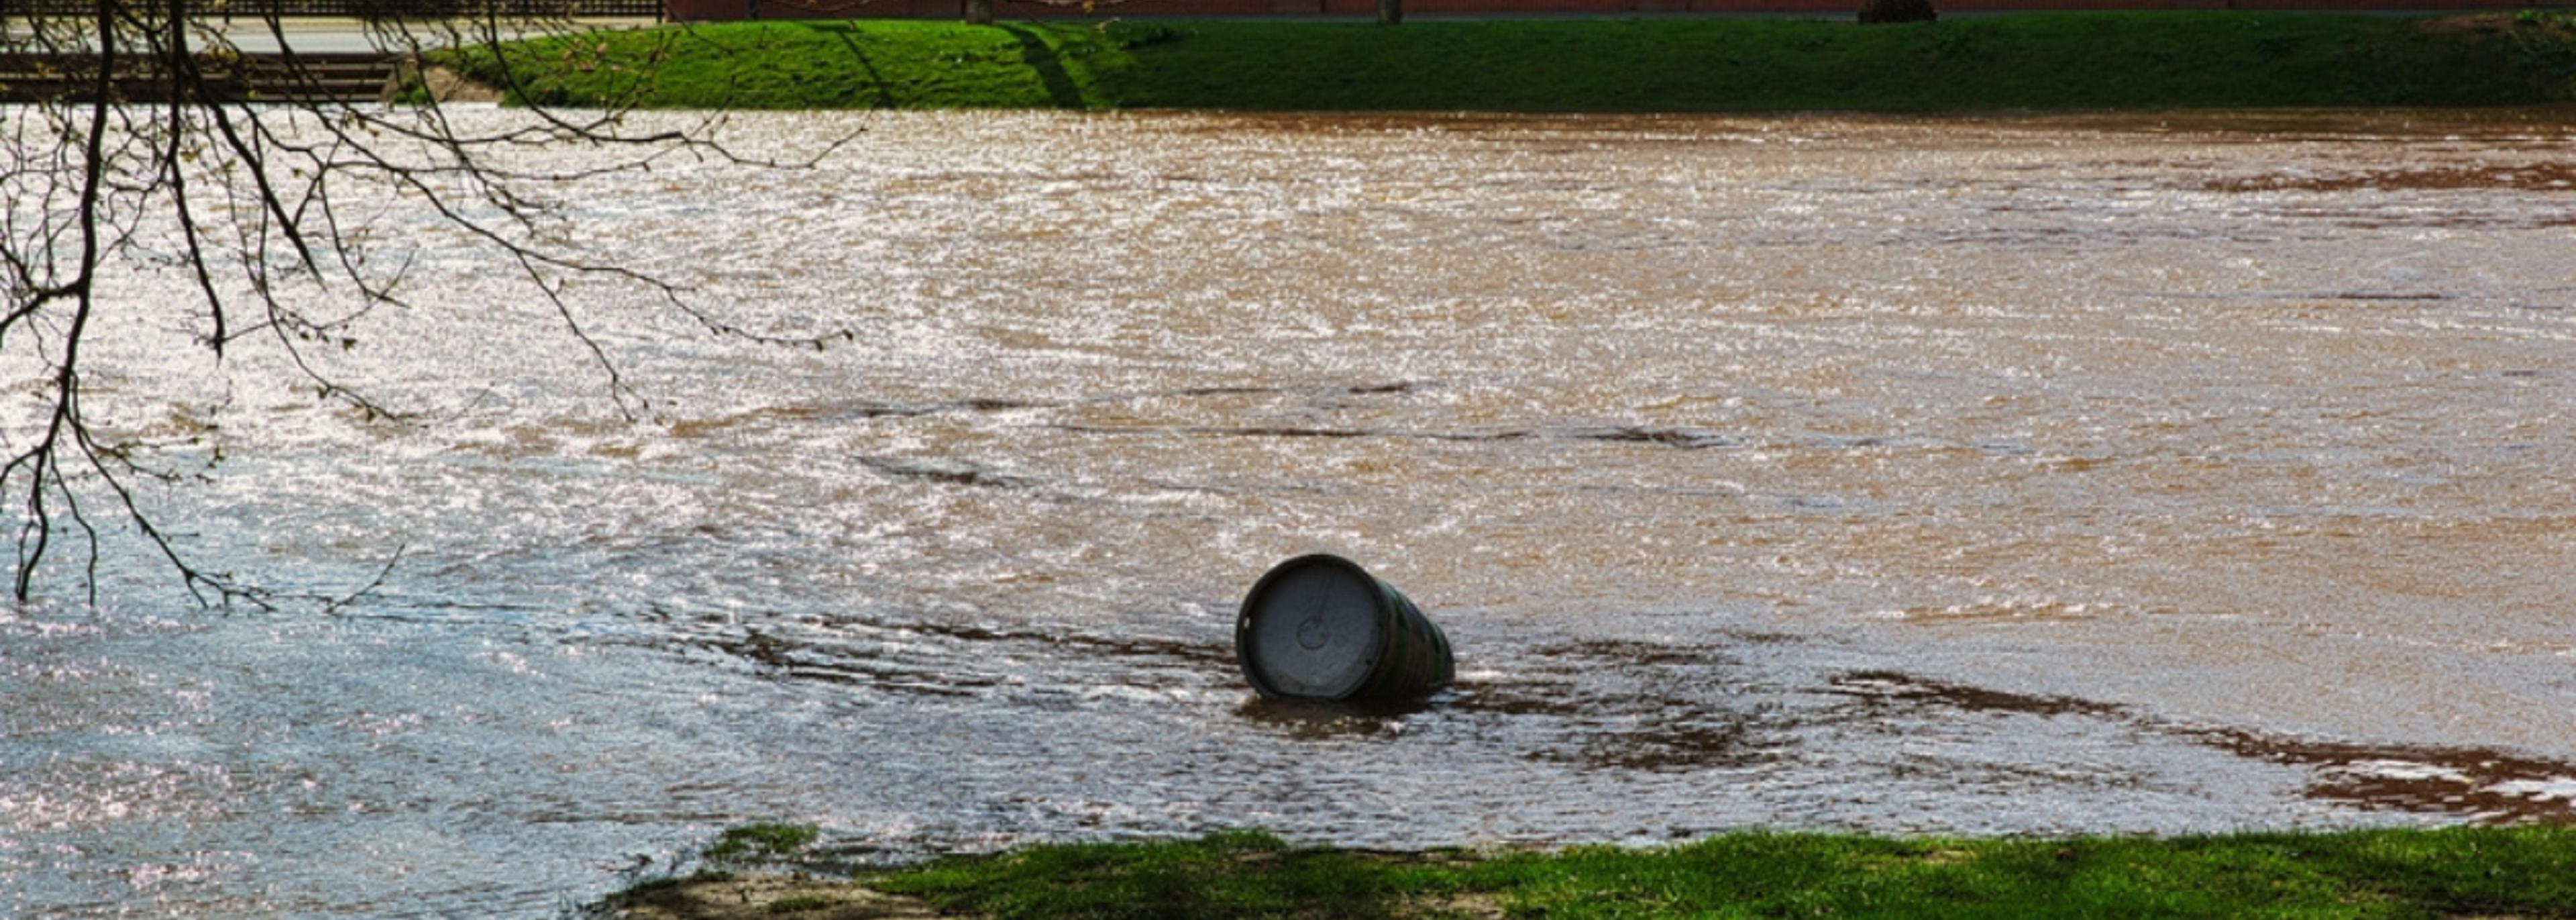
(2025, 61)
(2488, 873)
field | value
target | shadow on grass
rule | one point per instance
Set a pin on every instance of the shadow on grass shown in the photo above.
(1049, 66)
(1225, 875)
(879, 94)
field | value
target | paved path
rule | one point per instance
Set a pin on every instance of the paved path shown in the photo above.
(354, 36)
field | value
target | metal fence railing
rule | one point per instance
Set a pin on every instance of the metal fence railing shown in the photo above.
(383, 9)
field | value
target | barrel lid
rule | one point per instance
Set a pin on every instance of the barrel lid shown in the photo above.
(1312, 628)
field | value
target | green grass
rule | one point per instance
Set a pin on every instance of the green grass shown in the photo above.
(2520, 873)
(2068, 60)
(756, 843)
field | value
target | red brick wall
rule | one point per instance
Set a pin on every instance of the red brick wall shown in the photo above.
(710, 10)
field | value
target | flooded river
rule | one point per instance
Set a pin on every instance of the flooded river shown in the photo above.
(2024, 475)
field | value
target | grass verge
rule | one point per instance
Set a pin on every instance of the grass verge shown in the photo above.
(2452, 873)
(2448, 873)
(2058, 60)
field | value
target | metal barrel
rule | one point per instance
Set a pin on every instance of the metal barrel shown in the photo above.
(1321, 628)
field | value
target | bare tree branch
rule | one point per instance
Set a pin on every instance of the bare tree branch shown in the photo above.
(139, 137)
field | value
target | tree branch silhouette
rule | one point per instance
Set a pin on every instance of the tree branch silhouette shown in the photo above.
(138, 132)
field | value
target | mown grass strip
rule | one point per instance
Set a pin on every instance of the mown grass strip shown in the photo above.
(2065, 60)
(2525, 873)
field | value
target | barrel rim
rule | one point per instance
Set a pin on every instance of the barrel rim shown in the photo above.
(1243, 620)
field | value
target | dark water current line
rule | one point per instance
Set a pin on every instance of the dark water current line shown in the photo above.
(2082, 474)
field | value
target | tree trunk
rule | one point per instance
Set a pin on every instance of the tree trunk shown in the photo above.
(979, 12)
(1390, 12)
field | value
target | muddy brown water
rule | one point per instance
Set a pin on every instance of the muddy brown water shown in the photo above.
(1988, 476)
